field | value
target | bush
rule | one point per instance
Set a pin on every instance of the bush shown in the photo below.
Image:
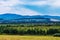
(52, 31)
(56, 35)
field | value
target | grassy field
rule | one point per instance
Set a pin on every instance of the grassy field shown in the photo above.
(17, 37)
(28, 30)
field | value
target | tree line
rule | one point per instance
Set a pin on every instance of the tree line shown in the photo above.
(28, 30)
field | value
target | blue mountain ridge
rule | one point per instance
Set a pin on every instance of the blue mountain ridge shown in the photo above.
(10, 16)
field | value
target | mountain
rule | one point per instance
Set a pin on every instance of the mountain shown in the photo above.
(10, 16)
(52, 17)
(15, 18)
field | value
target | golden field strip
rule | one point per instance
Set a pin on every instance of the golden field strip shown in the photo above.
(17, 37)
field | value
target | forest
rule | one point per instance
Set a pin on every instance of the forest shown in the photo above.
(28, 29)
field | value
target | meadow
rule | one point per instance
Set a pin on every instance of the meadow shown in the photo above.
(17, 37)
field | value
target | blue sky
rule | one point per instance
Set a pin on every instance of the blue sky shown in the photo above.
(30, 7)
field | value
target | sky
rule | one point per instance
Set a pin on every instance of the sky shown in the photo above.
(30, 7)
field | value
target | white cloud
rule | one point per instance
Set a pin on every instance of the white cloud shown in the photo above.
(5, 5)
(8, 2)
(37, 3)
(8, 6)
(54, 3)
(4, 9)
(53, 14)
(25, 11)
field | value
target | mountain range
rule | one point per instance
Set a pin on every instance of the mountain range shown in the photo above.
(10, 16)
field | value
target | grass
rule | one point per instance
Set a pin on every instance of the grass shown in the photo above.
(17, 37)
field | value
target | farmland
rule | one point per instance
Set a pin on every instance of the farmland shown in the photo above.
(28, 32)
(17, 37)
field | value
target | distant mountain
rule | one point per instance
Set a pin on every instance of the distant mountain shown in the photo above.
(52, 17)
(10, 16)
(15, 18)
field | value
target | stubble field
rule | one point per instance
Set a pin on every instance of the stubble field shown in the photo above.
(18, 37)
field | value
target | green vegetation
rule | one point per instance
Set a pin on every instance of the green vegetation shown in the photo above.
(31, 29)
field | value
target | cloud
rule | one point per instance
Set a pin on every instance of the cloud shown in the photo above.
(11, 6)
(8, 2)
(24, 11)
(38, 3)
(4, 9)
(52, 3)
(5, 5)
(53, 14)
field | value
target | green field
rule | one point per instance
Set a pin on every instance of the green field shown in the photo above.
(17, 37)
